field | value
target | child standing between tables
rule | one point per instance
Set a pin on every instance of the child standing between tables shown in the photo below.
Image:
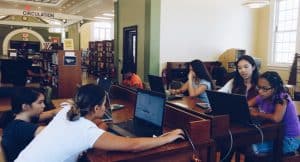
(275, 104)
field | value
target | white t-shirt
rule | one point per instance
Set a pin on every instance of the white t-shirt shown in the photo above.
(227, 88)
(62, 140)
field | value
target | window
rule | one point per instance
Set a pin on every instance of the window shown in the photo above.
(285, 33)
(102, 31)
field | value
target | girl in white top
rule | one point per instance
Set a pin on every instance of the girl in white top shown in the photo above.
(72, 132)
(245, 78)
(199, 80)
(243, 83)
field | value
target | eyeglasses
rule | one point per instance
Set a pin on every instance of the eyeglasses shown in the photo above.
(265, 89)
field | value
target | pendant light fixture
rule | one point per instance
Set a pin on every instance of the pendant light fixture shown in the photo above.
(256, 3)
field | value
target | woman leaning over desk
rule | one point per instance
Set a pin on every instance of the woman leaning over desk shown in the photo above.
(72, 132)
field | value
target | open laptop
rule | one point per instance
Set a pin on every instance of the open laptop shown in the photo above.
(105, 83)
(157, 85)
(148, 116)
(236, 106)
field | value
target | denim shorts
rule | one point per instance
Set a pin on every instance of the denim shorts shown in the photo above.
(290, 144)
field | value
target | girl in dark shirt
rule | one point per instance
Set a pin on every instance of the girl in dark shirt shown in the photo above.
(27, 105)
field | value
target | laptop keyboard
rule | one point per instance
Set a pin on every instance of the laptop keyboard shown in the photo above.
(129, 125)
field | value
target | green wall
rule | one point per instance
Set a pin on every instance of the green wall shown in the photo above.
(152, 42)
(19, 37)
(132, 12)
(73, 33)
(146, 15)
(116, 38)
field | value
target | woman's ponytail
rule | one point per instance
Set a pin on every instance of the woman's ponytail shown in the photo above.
(86, 98)
(74, 113)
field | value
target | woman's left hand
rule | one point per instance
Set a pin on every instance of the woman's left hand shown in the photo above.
(100, 124)
(254, 112)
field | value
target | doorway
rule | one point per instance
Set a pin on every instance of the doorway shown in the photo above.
(130, 47)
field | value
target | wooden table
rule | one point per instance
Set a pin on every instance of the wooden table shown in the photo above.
(242, 135)
(4, 105)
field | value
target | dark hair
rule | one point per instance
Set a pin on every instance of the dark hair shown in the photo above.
(86, 98)
(238, 82)
(201, 71)
(22, 95)
(276, 82)
(127, 69)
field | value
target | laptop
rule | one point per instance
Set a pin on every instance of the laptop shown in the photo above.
(147, 119)
(157, 85)
(236, 106)
(105, 83)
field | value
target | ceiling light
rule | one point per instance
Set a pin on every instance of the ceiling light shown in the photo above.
(104, 18)
(256, 3)
(108, 14)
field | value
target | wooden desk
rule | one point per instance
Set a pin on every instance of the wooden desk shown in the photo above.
(4, 105)
(178, 151)
(242, 135)
(220, 124)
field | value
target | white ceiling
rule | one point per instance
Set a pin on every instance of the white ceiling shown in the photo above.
(86, 8)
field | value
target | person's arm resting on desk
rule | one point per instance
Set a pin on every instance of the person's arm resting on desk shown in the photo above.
(108, 141)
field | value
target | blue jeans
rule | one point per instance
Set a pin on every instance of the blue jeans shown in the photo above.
(290, 144)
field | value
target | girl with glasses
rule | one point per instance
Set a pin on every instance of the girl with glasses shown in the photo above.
(275, 104)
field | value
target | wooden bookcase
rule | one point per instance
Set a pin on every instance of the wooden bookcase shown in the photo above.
(101, 59)
(64, 70)
(69, 73)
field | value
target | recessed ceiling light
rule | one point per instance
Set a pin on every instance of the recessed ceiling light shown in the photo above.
(108, 14)
(104, 18)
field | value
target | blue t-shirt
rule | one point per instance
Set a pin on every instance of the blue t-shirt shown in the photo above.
(203, 96)
(16, 136)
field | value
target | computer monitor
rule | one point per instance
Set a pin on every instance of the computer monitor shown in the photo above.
(150, 107)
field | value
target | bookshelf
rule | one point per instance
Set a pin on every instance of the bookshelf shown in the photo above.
(64, 71)
(101, 59)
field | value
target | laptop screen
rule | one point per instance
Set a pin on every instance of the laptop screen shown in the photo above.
(156, 84)
(104, 83)
(150, 107)
(233, 104)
